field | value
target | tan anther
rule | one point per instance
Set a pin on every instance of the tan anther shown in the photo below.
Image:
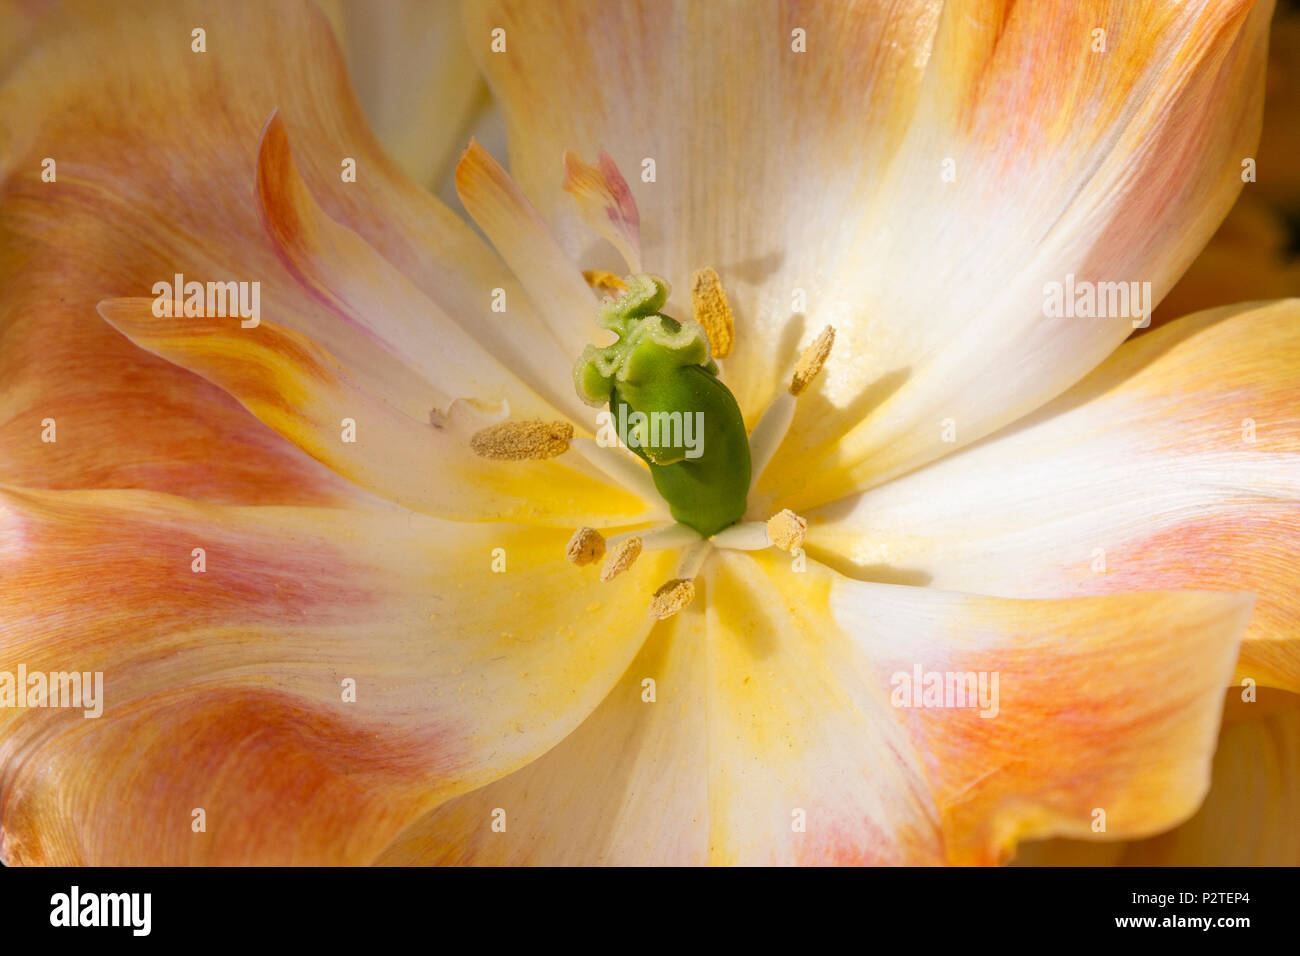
(586, 545)
(620, 559)
(812, 360)
(603, 281)
(521, 441)
(709, 302)
(786, 529)
(672, 597)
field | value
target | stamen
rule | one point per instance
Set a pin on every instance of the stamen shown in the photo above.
(768, 434)
(620, 558)
(672, 597)
(662, 538)
(626, 470)
(775, 422)
(603, 281)
(693, 559)
(709, 301)
(812, 360)
(466, 413)
(586, 545)
(679, 591)
(787, 530)
(745, 536)
(522, 441)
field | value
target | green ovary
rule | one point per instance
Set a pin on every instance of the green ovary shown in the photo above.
(669, 406)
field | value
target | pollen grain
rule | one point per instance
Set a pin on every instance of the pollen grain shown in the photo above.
(709, 302)
(620, 559)
(787, 529)
(586, 545)
(522, 441)
(672, 597)
(811, 361)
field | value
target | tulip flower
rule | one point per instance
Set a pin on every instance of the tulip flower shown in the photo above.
(367, 580)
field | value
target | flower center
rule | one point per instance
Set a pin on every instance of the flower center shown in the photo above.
(663, 400)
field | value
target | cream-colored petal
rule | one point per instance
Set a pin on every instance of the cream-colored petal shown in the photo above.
(756, 150)
(415, 77)
(628, 787)
(1176, 464)
(319, 682)
(784, 706)
(127, 208)
(519, 233)
(81, 407)
(312, 399)
(1252, 256)
(814, 182)
(1249, 815)
(741, 754)
(1248, 259)
(808, 763)
(380, 309)
(1116, 170)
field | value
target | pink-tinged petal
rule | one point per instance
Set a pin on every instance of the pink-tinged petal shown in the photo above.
(814, 183)
(769, 734)
(554, 284)
(628, 787)
(380, 307)
(605, 202)
(1176, 464)
(122, 419)
(306, 395)
(1096, 200)
(1248, 817)
(156, 151)
(229, 689)
(280, 780)
(81, 407)
(1107, 704)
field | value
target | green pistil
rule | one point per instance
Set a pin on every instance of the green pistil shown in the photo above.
(667, 403)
